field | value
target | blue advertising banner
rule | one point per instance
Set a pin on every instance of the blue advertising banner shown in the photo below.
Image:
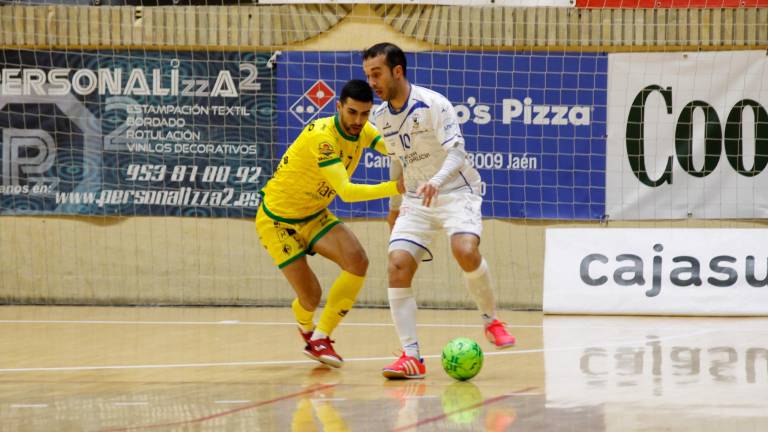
(135, 132)
(534, 123)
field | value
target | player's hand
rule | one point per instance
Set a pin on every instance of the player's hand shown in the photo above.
(428, 191)
(391, 218)
(401, 184)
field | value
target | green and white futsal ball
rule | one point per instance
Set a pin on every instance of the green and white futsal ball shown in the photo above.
(462, 358)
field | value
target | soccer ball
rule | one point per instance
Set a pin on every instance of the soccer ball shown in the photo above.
(462, 358)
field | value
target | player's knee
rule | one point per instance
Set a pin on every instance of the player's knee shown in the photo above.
(310, 301)
(467, 256)
(396, 274)
(356, 262)
(400, 269)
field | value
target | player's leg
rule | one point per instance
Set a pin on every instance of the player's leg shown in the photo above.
(285, 244)
(409, 244)
(401, 267)
(463, 221)
(340, 245)
(308, 293)
(477, 276)
(329, 238)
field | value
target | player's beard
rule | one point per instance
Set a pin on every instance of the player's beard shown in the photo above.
(391, 91)
(349, 128)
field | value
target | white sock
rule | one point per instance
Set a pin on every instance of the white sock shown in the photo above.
(317, 334)
(402, 306)
(480, 287)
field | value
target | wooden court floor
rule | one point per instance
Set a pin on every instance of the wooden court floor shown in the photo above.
(241, 369)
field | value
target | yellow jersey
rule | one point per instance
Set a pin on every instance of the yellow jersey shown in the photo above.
(299, 189)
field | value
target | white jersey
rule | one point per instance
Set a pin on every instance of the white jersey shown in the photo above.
(420, 134)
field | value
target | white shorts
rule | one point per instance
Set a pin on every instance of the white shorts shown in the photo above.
(415, 228)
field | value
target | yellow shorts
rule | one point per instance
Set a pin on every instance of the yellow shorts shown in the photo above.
(287, 240)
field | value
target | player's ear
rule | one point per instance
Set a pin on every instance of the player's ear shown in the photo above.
(338, 105)
(397, 71)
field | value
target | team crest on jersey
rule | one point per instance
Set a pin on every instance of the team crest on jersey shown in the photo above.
(417, 125)
(326, 150)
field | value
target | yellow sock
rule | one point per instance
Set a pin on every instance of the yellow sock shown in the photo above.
(341, 297)
(304, 317)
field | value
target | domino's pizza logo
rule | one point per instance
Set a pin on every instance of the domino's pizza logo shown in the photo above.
(312, 102)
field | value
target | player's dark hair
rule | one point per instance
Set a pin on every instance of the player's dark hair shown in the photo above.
(358, 90)
(393, 54)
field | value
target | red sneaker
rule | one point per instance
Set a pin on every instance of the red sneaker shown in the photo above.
(322, 351)
(306, 335)
(405, 367)
(498, 335)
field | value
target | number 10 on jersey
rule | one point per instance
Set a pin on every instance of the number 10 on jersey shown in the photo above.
(405, 140)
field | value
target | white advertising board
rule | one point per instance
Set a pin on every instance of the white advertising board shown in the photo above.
(656, 271)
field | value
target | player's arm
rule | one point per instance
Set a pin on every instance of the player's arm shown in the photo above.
(395, 173)
(324, 148)
(448, 133)
(451, 166)
(334, 172)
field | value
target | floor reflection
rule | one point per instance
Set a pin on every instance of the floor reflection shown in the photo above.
(572, 373)
(648, 373)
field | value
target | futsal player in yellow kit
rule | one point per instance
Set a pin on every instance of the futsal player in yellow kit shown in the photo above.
(293, 219)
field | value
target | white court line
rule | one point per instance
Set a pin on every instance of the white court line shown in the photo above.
(29, 406)
(359, 359)
(156, 366)
(232, 401)
(113, 322)
(130, 403)
(361, 324)
(235, 322)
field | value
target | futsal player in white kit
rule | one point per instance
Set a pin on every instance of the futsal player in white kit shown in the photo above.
(421, 130)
